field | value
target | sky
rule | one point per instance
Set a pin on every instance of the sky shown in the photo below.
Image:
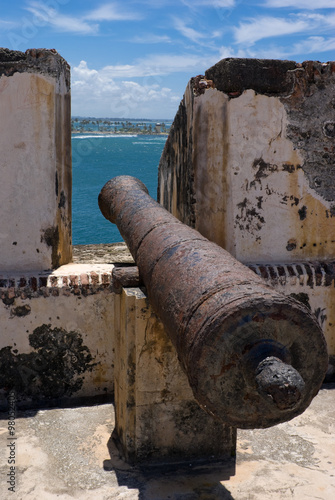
(134, 58)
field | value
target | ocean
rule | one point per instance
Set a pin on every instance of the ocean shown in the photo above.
(95, 160)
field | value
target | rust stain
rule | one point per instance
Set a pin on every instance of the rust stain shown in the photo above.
(224, 369)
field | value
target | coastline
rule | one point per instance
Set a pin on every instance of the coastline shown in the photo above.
(123, 132)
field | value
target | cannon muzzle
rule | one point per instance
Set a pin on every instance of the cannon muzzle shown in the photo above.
(253, 357)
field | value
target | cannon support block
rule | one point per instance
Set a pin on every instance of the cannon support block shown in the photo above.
(157, 417)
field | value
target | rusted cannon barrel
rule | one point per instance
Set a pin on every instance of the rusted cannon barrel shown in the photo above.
(253, 357)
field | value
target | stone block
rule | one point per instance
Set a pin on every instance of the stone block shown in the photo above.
(157, 418)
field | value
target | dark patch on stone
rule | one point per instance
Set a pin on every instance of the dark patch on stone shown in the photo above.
(302, 297)
(291, 245)
(56, 183)
(330, 375)
(51, 238)
(248, 219)
(62, 200)
(259, 202)
(288, 167)
(21, 311)
(320, 315)
(281, 271)
(43, 281)
(329, 129)
(14, 243)
(263, 168)
(330, 212)
(329, 268)
(7, 55)
(312, 102)
(44, 61)
(8, 301)
(264, 76)
(54, 370)
(302, 212)
(310, 280)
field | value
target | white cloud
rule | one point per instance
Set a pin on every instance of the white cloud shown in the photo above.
(312, 45)
(96, 93)
(301, 4)
(112, 12)
(252, 30)
(225, 52)
(319, 20)
(124, 71)
(7, 25)
(190, 33)
(204, 39)
(45, 15)
(148, 38)
(265, 27)
(157, 65)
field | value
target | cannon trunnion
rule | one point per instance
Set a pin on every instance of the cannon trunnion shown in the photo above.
(253, 357)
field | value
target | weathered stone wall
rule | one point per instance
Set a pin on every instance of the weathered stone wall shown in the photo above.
(257, 174)
(35, 164)
(249, 163)
(57, 334)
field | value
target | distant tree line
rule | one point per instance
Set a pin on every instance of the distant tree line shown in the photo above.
(118, 127)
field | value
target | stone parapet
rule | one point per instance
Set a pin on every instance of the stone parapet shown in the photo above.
(57, 341)
(36, 176)
(249, 159)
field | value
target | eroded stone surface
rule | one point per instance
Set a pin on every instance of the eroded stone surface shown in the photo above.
(65, 454)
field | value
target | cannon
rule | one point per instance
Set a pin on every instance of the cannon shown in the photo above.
(253, 357)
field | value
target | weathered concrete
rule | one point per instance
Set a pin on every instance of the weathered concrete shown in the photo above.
(67, 454)
(57, 334)
(249, 163)
(57, 328)
(35, 144)
(249, 159)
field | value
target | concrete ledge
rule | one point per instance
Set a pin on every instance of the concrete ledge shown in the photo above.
(90, 272)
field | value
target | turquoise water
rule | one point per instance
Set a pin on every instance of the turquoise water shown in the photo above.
(95, 160)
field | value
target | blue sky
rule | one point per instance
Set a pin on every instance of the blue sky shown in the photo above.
(133, 58)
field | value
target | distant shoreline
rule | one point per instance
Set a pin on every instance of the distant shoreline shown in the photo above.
(123, 132)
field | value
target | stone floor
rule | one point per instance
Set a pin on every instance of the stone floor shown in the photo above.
(66, 454)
